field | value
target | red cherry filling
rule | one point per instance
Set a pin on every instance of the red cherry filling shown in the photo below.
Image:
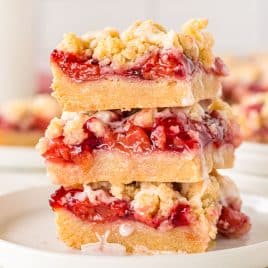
(233, 223)
(180, 215)
(169, 63)
(174, 133)
(161, 65)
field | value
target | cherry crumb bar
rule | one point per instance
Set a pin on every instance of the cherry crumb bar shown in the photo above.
(171, 144)
(23, 122)
(145, 66)
(156, 217)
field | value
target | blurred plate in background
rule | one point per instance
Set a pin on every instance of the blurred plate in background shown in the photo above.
(252, 158)
(20, 158)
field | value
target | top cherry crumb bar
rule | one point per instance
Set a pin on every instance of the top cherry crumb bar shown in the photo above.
(145, 66)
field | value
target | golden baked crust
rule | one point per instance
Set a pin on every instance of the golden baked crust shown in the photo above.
(118, 167)
(191, 239)
(19, 138)
(122, 93)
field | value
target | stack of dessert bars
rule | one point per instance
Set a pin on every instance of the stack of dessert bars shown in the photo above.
(141, 136)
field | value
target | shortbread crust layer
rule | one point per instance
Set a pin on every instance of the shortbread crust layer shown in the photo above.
(119, 167)
(76, 233)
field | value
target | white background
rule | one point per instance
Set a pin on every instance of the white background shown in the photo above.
(239, 26)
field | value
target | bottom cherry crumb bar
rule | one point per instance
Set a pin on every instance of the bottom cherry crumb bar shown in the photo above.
(149, 217)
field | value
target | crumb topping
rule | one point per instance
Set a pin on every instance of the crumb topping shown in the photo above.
(223, 107)
(161, 197)
(151, 199)
(71, 124)
(145, 130)
(73, 131)
(110, 46)
(55, 128)
(42, 145)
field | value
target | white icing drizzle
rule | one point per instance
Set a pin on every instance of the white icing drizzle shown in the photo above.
(126, 229)
(80, 196)
(67, 116)
(105, 116)
(96, 196)
(102, 247)
(165, 226)
(188, 99)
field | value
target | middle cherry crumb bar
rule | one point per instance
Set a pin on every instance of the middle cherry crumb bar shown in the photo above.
(165, 145)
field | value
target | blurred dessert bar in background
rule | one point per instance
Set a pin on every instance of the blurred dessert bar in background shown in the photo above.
(246, 88)
(252, 114)
(23, 121)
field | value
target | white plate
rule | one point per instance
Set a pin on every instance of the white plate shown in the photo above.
(252, 158)
(20, 158)
(28, 236)
(18, 180)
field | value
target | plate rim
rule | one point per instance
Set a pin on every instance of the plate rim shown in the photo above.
(31, 161)
(14, 246)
